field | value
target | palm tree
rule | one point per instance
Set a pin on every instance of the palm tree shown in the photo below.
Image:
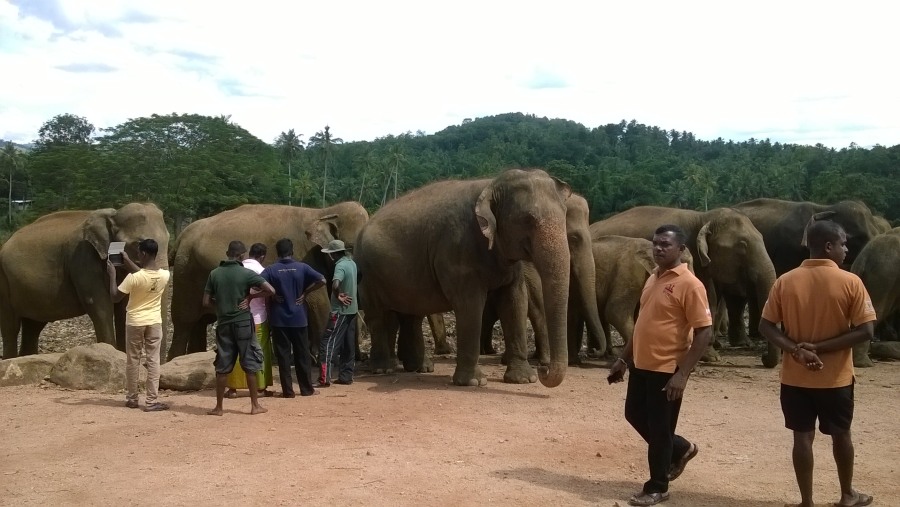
(366, 161)
(324, 141)
(288, 144)
(396, 157)
(13, 158)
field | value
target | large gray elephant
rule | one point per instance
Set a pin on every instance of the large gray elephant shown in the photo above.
(733, 263)
(202, 245)
(581, 293)
(55, 269)
(623, 266)
(783, 227)
(878, 265)
(444, 246)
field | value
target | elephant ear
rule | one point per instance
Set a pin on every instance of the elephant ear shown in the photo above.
(703, 244)
(486, 219)
(644, 257)
(323, 230)
(822, 215)
(565, 191)
(98, 229)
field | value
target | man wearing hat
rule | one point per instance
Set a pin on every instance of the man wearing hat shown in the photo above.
(340, 335)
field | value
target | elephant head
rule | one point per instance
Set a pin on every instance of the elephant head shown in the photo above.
(130, 224)
(323, 230)
(522, 213)
(857, 221)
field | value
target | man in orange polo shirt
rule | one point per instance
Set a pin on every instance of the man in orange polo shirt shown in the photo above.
(661, 355)
(825, 311)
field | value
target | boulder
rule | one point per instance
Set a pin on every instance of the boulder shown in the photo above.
(191, 372)
(20, 371)
(885, 350)
(99, 367)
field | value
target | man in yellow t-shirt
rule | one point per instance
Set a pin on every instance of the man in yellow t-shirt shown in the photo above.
(144, 287)
(825, 312)
(661, 355)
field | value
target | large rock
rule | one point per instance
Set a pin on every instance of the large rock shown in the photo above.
(191, 372)
(99, 367)
(20, 371)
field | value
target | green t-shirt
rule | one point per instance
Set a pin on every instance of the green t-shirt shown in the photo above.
(229, 284)
(345, 272)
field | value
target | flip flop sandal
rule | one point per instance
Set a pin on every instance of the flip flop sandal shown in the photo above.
(862, 500)
(645, 499)
(679, 466)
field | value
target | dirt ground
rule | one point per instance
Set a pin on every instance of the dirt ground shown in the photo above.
(414, 439)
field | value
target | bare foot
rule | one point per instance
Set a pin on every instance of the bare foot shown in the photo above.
(856, 500)
(215, 411)
(258, 410)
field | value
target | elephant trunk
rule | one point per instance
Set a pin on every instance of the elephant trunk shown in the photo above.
(584, 283)
(551, 258)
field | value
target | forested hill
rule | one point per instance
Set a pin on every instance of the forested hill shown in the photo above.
(195, 166)
(620, 165)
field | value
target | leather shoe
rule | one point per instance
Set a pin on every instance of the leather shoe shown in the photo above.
(343, 382)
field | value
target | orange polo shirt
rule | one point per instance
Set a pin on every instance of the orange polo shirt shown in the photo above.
(815, 302)
(673, 303)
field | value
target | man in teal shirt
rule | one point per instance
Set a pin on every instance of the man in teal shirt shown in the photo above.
(228, 291)
(340, 335)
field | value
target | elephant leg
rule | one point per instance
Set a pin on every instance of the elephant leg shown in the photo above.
(103, 321)
(119, 323)
(468, 309)
(539, 326)
(411, 342)
(737, 331)
(488, 318)
(755, 314)
(574, 331)
(181, 334)
(512, 306)
(197, 339)
(439, 333)
(383, 327)
(31, 331)
(861, 357)
(10, 323)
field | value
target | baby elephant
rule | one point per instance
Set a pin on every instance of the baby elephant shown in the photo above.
(623, 266)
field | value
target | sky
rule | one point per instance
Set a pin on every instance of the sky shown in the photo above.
(795, 71)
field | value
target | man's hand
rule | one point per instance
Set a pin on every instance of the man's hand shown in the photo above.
(301, 299)
(804, 355)
(244, 304)
(345, 299)
(110, 269)
(675, 386)
(617, 371)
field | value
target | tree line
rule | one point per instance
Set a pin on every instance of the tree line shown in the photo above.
(195, 166)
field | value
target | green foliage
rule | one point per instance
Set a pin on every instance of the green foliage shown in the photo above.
(65, 129)
(194, 166)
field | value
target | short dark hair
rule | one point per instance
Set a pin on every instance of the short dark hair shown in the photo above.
(284, 247)
(148, 246)
(821, 232)
(257, 250)
(235, 248)
(678, 232)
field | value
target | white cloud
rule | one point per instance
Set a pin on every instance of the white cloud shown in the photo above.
(801, 71)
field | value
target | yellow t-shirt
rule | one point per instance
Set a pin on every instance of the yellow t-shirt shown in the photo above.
(815, 302)
(673, 304)
(145, 290)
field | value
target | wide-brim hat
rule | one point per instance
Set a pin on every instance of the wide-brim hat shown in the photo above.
(334, 245)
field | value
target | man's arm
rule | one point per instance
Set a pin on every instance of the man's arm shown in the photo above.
(313, 286)
(208, 301)
(806, 357)
(675, 386)
(861, 333)
(129, 264)
(114, 291)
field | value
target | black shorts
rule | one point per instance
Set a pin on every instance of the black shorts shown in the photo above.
(832, 406)
(234, 340)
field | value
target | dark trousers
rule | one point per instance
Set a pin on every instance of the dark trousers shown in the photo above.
(293, 342)
(339, 342)
(655, 417)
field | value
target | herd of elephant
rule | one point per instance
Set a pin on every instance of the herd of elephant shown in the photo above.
(513, 248)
